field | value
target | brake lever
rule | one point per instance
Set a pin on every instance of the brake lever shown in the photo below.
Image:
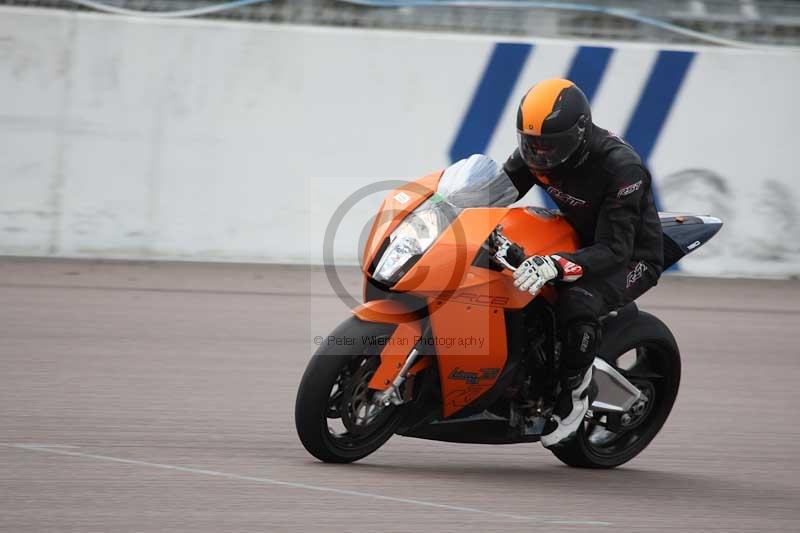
(503, 245)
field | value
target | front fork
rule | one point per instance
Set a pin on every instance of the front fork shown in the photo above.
(401, 358)
(392, 395)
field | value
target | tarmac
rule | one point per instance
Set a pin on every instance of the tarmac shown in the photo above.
(158, 396)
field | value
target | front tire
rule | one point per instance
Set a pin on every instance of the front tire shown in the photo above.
(608, 441)
(334, 416)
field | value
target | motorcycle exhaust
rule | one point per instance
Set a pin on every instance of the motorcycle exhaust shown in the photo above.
(615, 394)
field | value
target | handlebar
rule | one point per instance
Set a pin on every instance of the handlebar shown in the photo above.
(507, 252)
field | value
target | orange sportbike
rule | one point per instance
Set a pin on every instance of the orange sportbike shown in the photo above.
(444, 347)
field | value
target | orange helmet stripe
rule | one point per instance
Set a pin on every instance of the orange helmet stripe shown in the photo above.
(538, 103)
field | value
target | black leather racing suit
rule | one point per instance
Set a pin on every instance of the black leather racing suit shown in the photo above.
(607, 198)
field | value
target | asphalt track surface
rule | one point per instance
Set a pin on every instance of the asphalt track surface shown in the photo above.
(159, 397)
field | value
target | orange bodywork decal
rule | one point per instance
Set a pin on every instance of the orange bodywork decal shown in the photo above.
(539, 103)
(471, 349)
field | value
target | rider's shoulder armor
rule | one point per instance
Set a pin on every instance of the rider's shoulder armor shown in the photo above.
(612, 153)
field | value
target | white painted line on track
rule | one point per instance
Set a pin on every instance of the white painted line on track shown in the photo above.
(37, 445)
(58, 450)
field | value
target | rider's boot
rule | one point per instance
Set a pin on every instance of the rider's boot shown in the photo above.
(571, 405)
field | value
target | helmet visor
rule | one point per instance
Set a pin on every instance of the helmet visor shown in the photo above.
(544, 152)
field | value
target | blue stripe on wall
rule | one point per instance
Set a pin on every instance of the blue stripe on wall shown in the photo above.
(588, 67)
(490, 99)
(587, 70)
(655, 104)
(656, 101)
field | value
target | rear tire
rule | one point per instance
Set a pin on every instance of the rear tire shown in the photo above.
(333, 389)
(657, 372)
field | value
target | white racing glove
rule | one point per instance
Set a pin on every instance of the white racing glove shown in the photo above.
(534, 272)
(537, 270)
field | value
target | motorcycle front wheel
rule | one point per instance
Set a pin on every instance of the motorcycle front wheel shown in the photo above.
(334, 414)
(650, 360)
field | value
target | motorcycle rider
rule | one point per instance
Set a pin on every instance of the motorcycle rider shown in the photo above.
(604, 190)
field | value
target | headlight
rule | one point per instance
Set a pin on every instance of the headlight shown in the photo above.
(412, 238)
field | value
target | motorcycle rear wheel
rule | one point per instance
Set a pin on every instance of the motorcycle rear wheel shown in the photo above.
(333, 392)
(612, 441)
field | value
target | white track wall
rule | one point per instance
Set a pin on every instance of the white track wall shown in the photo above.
(227, 141)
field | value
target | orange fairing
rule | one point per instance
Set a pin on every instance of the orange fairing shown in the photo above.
(397, 204)
(446, 270)
(470, 342)
(398, 346)
(385, 312)
(394, 354)
(466, 297)
(445, 264)
(539, 232)
(467, 302)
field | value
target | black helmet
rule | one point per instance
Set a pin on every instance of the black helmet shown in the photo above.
(552, 123)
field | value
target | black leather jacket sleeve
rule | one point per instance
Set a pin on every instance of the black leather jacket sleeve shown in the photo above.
(516, 169)
(619, 216)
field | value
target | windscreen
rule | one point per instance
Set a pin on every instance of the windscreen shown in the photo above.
(478, 181)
